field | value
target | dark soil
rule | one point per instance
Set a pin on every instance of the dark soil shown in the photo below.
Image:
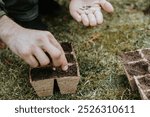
(70, 58)
(42, 73)
(146, 53)
(145, 82)
(47, 72)
(139, 68)
(131, 56)
(66, 47)
(72, 71)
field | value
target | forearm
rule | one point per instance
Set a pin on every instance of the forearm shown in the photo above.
(7, 28)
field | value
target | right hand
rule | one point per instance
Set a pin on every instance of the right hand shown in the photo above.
(89, 11)
(31, 45)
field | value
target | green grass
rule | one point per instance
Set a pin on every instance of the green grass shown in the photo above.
(97, 50)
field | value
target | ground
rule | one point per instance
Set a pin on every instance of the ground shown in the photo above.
(97, 50)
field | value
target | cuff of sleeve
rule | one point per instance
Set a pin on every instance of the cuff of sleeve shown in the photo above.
(2, 13)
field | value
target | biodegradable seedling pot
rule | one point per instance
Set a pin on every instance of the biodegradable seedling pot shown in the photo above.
(137, 68)
(68, 81)
(143, 84)
(129, 59)
(42, 78)
(131, 56)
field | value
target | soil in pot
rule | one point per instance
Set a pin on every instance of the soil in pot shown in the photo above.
(72, 71)
(47, 72)
(42, 73)
(70, 58)
(145, 82)
(139, 68)
(131, 56)
(66, 47)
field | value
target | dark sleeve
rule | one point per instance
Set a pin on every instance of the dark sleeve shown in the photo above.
(2, 11)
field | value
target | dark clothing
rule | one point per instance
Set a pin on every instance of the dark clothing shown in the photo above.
(2, 12)
(26, 12)
(23, 10)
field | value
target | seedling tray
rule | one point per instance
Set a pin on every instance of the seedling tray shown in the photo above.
(137, 68)
(143, 84)
(43, 78)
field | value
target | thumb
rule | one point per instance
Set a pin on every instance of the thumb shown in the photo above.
(106, 6)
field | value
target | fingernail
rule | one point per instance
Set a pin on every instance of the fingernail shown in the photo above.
(54, 68)
(65, 68)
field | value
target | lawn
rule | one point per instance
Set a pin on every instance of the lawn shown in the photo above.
(97, 50)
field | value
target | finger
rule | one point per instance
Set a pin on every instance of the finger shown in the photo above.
(26, 55)
(63, 58)
(106, 6)
(56, 55)
(64, 63)
(41, 56)
(99, 17)
(76, 16)
(92, 19)
(55, 42)
(31, 61)
(85, 19)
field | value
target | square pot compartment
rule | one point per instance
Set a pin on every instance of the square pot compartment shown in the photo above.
(68, 81)
(131, 56)
(135, 69)
(143, 84)
(42, 78)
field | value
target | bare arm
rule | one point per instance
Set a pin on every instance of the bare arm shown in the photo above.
(31, 44)
(7, 28)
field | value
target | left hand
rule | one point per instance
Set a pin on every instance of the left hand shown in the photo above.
(89, 11)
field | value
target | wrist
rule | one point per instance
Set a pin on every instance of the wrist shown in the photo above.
(8, 28)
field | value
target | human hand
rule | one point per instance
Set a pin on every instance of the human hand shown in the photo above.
(31, 46)
(89, 11)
